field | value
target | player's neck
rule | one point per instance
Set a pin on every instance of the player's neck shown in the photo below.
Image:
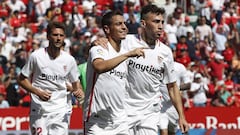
(149, 41)
(53, 52)
(115, 44)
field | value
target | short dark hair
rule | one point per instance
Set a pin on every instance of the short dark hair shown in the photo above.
(107, 17)
(151, 9)
(53, 25)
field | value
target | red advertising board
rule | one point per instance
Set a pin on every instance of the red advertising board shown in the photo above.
(214, 117)
(208, 118)
(18, 119)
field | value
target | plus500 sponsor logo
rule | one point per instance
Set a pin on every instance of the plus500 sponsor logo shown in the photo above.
(213, 123)
(13, 123)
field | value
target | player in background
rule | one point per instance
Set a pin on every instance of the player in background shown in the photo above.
(168, 122)
(44, 76)
(104, 106)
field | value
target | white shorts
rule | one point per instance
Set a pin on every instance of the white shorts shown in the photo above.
(169, 120)
(99, 127)
(49, 124)
(145, 124)
(163, 121)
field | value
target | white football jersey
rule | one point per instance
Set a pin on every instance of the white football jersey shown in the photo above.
(50, 74)
(105, 92)
(182, 77)
(145, 75)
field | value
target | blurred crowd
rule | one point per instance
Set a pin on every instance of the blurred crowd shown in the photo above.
(203, 34)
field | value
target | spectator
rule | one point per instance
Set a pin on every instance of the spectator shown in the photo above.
(16, 5)
(219, 38)
(171, 30)
(203, 29)
(193, 15)
(198, 90)
(186, 27)
(87, 6)
(12, 87)
(181, 46)
(132, 25)
(118, 5)
(216, 68)
(228, 53)
(67, 6)
(131, 11)
(3, 103)
(191, 43)
(169, 7)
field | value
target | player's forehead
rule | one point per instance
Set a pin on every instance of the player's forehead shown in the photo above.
(117, 18)
(154, 16)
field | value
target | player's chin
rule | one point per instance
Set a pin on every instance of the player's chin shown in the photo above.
(122, 36)
(157, 36)
(58, 45)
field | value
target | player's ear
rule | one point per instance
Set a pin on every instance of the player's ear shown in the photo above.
(106, 29)
(143, 23)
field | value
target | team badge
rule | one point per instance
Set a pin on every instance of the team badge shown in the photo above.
(100, 51)
(160, 59)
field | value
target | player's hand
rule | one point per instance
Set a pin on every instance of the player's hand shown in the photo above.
(79, 94)
(138, 52)
(184, 126)
(101, 41)
(44, 95)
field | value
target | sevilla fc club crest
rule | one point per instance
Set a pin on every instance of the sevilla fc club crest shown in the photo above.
(65, 68)
(160, 59)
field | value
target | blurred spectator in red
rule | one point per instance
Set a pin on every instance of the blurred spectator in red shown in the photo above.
(216, 68)
(164, 38)
(67, 6)
(15, 20)
(229, 84)
(183, 57)
(228, 53)
(57, 16)
(4, 10)
(181, 45)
